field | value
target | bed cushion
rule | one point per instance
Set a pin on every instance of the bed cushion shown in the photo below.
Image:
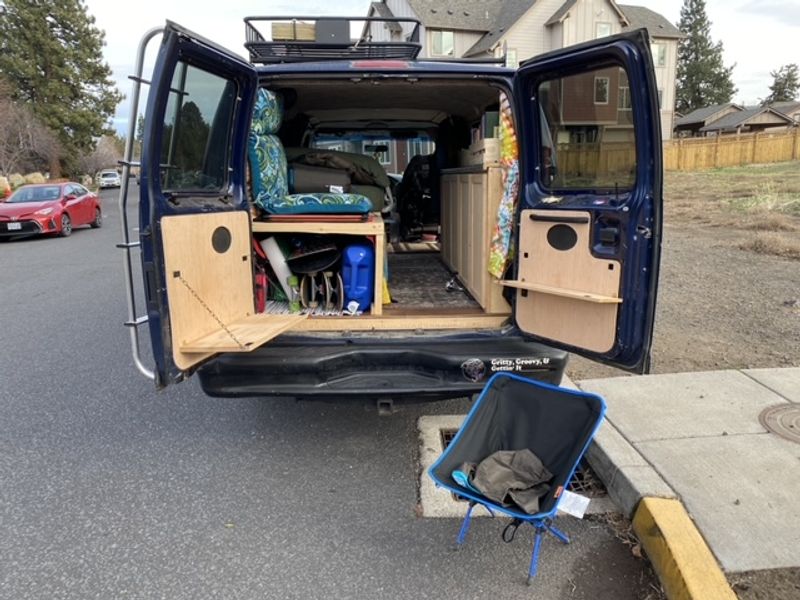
(321, 203)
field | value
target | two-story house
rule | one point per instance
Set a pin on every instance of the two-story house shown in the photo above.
(521, 29)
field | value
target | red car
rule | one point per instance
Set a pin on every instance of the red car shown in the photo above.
(55, 208)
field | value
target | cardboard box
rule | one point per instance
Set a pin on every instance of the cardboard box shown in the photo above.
(485, 152)
(296, 31)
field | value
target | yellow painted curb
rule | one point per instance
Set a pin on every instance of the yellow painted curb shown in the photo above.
(679, 554)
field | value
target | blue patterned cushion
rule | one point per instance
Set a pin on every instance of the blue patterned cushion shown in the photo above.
(270, 175)
(268, 112)
(267, 169)
(322, 203)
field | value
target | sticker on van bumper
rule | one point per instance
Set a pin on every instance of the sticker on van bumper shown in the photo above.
(518, 365)
(475, 369)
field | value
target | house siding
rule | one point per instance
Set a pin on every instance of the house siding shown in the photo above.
(400, 9)
(665, 79)
(528, 35)
(581, 23)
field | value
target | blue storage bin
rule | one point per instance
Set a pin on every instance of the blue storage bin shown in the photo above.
(358, 275)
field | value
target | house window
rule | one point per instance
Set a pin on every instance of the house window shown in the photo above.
(624, 102)
(659, 52)
(442, 43)
(511, 58)
(420, 146)
(381, 150)
(601, 90)
(602, 30)
(660, 96)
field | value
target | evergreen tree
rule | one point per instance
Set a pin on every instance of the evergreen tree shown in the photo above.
(52, 55)
(703, 79)
(785, 84)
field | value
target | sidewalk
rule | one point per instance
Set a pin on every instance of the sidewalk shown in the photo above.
(697, 437)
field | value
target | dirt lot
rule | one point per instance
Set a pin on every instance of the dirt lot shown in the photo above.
(729, 290)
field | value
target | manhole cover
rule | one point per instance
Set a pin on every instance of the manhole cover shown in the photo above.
(783, 420)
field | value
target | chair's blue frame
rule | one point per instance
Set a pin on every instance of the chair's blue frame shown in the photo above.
(541, 522)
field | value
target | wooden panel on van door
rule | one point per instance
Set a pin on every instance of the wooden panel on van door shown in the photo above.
(566, 294)
(209, 276)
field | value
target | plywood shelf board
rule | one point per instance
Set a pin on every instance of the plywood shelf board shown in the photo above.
(576, 294)
(402, 323)
(372, 226)
(244, 334)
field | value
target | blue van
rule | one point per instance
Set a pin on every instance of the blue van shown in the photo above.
(524, 222)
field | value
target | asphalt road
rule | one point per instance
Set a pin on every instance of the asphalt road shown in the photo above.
(109, 489)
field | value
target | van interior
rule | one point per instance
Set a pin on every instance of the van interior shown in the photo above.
(426, 154)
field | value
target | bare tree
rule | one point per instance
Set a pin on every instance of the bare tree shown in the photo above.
(25, 143)
(105, 156)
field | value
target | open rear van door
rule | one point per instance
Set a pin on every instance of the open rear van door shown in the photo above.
(589, 220)
(194, 220)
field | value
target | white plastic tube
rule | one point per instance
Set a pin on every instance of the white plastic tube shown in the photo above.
(278, 262)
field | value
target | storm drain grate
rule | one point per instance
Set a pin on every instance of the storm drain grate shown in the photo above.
(584, 481)
(782, 420)
(448, 435)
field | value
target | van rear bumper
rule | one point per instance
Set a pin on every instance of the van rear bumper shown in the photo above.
(423, 367)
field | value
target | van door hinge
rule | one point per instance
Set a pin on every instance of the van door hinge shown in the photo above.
(643, 231)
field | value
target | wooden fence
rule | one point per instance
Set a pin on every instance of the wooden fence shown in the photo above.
(585, 164)
(697, 154)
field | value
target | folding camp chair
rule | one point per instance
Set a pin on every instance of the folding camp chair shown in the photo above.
(514, 413)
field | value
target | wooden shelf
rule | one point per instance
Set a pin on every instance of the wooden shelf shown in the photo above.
(402, 322)
(372, 226)
(554, 291)
(251, 332)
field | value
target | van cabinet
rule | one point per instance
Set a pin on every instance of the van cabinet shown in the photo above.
(372, 227)
(470, 199)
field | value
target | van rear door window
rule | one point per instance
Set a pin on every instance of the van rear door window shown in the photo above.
(589, 142)
(197, 129)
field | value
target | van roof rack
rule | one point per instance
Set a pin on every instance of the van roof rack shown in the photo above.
(305, 39)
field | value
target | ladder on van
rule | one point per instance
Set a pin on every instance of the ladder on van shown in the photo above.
(134, 321)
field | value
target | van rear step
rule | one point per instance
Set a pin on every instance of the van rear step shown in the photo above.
(425, 368)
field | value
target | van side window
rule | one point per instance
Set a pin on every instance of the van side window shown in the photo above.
(197, 130)
(588, 139)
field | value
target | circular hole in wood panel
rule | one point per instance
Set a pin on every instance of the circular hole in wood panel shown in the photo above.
(221, 239)
(562, 237)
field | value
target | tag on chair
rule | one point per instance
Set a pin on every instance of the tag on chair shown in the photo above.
(573, 504)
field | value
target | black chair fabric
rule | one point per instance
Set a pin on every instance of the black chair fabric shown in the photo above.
(513, 413)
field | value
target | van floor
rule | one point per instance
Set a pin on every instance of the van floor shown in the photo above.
(418, 281)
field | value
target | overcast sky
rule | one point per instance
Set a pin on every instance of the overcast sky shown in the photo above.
(758, 35)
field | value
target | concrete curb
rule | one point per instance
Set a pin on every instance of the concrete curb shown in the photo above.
(682, 560)
(627, 475)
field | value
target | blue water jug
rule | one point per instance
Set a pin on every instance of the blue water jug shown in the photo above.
(358, 275)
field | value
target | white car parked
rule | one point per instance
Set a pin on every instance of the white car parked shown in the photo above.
(108, 179)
